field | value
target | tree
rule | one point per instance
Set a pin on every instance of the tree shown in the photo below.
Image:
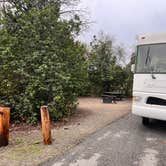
(107, 70)
(102, 63)
(40, 61)
(129, 76)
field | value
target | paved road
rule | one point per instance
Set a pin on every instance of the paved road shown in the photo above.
(123, 143)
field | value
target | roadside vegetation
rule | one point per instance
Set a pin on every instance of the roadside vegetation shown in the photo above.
(108, 70)
(42, 63)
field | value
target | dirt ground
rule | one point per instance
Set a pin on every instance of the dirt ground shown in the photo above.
(26, 147)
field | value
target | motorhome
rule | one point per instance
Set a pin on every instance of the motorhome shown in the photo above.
(149, 88)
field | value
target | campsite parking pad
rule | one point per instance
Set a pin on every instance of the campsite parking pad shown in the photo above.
(122, 143)
(26, 147)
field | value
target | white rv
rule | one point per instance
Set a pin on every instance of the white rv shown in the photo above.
(149, 89)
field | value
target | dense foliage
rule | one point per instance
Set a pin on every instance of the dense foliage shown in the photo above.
(106, 70)
(40, 61)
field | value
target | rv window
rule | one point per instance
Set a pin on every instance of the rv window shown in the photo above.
(151, 58)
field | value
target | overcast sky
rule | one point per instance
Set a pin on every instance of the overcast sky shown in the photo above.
(124, 19)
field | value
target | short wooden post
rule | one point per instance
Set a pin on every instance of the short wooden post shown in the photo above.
(46, 126)
(4, 126)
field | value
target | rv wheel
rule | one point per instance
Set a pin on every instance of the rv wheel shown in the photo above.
(145, 121)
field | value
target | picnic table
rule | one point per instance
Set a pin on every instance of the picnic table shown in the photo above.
(118, 94)
(111, 97)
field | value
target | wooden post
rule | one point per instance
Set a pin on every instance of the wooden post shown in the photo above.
(4, 126)
(46, 126)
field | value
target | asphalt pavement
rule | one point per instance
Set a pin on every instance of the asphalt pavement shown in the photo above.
(125, 142)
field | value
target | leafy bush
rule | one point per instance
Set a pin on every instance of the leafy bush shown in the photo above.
(40, 61)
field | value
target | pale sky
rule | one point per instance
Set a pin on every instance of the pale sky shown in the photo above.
(125, 19)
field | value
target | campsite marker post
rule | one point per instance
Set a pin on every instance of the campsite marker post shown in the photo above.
(4, 125)
(46, 126)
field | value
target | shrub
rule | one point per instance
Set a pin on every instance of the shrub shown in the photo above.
(40, 61)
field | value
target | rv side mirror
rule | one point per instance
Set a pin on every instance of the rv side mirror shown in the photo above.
(133, 68)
